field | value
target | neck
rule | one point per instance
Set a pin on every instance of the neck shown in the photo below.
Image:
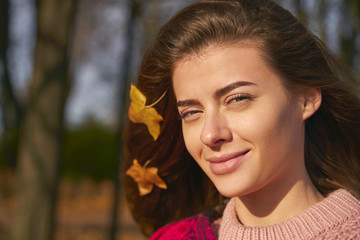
(277, 202)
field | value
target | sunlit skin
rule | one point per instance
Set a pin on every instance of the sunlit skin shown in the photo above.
(246, 131)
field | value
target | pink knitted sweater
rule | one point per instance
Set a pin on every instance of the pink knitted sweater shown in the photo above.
(336, 217)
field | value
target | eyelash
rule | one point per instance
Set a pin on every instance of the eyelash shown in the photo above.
(188, 113)
(241, 97)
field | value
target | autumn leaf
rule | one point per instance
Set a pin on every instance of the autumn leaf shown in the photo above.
(145, 177)
(140, 113)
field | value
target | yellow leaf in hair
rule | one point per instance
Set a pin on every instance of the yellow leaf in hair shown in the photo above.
(145, 177)
(140, 113)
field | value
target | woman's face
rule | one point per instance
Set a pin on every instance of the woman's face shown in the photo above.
(243, 128)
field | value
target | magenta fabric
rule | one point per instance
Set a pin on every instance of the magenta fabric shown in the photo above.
(195, 228)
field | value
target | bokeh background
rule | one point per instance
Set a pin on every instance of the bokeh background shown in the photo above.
(65, 71)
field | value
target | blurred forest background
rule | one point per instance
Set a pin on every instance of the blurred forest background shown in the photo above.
(65, 71)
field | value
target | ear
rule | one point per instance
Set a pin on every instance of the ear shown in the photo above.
(311, 103)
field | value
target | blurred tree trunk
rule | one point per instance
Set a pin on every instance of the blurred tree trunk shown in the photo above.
(351, 13)
(300, 13)
(10, 105)
(42, 127)
(134, 7)
(323, 8)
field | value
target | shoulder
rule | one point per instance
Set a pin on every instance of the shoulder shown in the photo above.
(344, 210)
(198, 227)
(348, 229)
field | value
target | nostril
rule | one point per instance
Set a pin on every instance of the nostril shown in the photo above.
(214, 141)
(219, 142)
(215, 131)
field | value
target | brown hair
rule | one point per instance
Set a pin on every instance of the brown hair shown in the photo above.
(332, 144)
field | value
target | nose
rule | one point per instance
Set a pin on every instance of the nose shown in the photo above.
(215, 131)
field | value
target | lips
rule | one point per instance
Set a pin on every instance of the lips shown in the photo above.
(226, 163)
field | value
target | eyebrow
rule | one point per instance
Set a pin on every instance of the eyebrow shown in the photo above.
(189, 102)
(218, 93)
(222, 91)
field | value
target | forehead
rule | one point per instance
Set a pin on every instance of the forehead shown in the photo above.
(210, 49)
(220, 63)
(216, 67)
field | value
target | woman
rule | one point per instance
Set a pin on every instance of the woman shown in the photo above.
(254, 102)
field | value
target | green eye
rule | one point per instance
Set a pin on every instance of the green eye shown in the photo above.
(238, 98)
(189, 114)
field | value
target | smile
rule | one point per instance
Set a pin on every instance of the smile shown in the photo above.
(226, 163)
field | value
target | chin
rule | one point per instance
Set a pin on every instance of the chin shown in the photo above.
(231, 190)
(230, 193)
(234, 187)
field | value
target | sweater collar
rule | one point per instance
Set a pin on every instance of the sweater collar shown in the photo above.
(336, 208)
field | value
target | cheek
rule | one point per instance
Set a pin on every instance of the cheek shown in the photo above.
(279, 133)
(268, 125)
(246, 126)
